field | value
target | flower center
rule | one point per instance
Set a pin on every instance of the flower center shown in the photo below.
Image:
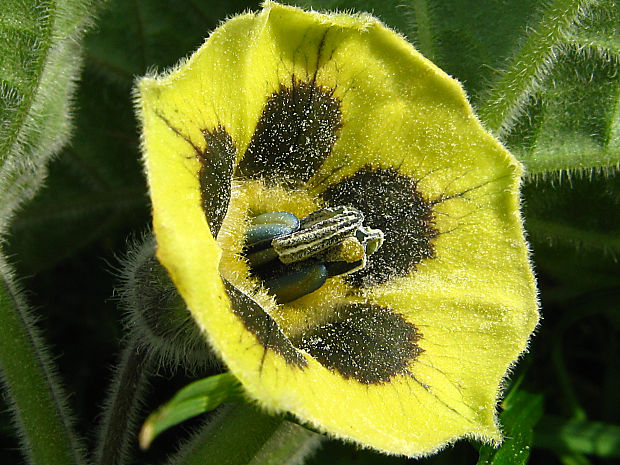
(294, 257)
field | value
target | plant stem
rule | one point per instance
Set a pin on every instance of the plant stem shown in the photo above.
(426, 41)
(29, 377)
(119, 428)
(508, 94)
(241, 434)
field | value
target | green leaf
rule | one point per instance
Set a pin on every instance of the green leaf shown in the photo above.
(503, 100)
(556, 104)
(194, 399)
(40, 56)
(586, 437)
(522, 410)
(571, 123)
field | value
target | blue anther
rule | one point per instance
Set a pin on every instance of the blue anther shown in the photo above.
(263, 232)
(282, 217)
(295, 284)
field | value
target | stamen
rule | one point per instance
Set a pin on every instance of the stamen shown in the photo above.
(317, 235)
(295, 257)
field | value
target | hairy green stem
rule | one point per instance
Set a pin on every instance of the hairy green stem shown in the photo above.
(425, 40)
(241, 434)
(119, 428)
(35, 395)
(508, 94)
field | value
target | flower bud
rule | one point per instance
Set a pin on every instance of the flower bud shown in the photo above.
(156, 311)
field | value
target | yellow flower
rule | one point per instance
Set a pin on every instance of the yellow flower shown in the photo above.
(294, 111)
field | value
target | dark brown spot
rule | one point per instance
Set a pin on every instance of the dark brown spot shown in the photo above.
(263, 326)
(390, 202)
(366, 342)
(216, 175)
(294, 136)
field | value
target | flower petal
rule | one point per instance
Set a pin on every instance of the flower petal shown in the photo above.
(263, 327)
(294, 134)
(215, 176)
(367, 343)
(410, 354)
(390, 202)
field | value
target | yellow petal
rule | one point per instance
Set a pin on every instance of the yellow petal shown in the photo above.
(450, 319)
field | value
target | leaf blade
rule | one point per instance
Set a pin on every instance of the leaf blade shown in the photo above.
(194, 399)
(41, 62)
